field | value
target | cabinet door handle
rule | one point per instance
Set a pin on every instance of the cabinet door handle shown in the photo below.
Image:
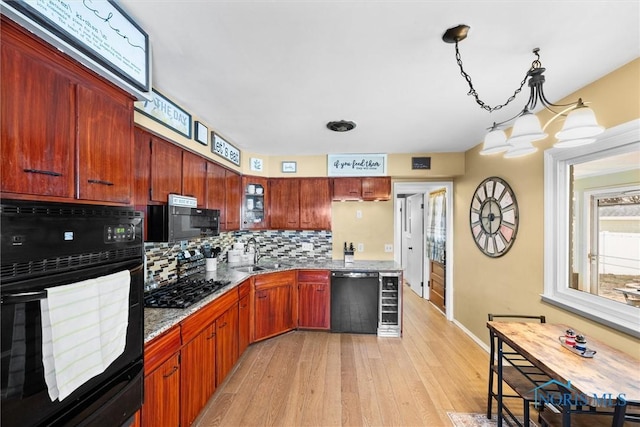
(213, 335)
(262, 296)
(173, 371)
(223, 325)
(243, 306)
(99, 181)
(50, 173)
(320, 290)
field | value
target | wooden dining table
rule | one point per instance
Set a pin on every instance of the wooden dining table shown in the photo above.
(610, 373)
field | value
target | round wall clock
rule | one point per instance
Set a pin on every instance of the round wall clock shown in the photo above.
(493, 217)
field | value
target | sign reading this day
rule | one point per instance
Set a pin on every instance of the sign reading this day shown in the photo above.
(356, 164)
(166, 112)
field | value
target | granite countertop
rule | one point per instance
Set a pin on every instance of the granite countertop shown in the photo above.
(159, 320)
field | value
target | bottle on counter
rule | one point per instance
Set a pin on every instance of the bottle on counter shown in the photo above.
(570, 337)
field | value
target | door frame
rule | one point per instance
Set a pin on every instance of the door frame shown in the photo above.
(426, 187)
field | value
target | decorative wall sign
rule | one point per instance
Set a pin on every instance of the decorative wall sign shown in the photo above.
(289, 167)
(225, 150)
(356, 164)
(255, 164)
(166, 112)
(99, 29)
(421, 163)
(201, 133)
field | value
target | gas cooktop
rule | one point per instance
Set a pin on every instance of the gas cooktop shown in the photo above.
(183, 293)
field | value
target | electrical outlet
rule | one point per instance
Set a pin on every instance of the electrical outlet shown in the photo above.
(360, 247)
(359, 214)
(388, 247)
(307, 246)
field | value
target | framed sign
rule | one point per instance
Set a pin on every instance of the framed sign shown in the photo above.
(201, 133)
(289, 167)
(255, 164)
(225, 150)
(162, 110)
(421, 163)
(357, 164)
(99, 29)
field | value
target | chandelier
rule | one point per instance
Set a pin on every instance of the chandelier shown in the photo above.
(580, 126)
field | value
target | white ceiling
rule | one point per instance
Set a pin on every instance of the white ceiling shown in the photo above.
(268, 75)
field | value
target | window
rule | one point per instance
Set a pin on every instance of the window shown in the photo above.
(592, 228)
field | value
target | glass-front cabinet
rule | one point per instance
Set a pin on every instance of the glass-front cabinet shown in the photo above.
(254, 202)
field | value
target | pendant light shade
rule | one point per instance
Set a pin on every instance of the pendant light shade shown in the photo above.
(580, 123)
(495, 142)
(520, 149)
(566, 143)
(526, 129)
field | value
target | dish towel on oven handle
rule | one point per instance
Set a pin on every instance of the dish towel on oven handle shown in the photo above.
(84, 329)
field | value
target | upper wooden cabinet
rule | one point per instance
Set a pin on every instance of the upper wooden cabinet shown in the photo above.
(315, 204)
(105, 146)
(300, 203)
(53, 111)
(367, 188)
(216, 189)
(233, 196)
(376, 188)
(166, 170)
(194, 176)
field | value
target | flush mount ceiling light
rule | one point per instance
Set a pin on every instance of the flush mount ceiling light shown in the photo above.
(341, 126)
(580, 126)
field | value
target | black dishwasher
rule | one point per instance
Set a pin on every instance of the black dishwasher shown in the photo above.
(354, 302)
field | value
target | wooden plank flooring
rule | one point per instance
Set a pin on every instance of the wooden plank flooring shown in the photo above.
(310, 378)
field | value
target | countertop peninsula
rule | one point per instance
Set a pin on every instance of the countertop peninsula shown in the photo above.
(159, 320)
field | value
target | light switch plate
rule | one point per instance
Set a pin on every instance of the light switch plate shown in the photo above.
(307, 246)
(360, 247)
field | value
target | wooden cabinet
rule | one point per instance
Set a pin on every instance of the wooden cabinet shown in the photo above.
(284, 205)
(376, 188)
(300, 203)
(216, 189)
(275, 305)
(314, 299)
(162, 380)
(367, 188)
(254, 202)
(226, 343)
(198, 376)
(166, 170)
(105, 146)
(194, 177)
(347, 188)
(233, 197)
(244, 316)
(66, 134)
(315, 204)
(37, 125)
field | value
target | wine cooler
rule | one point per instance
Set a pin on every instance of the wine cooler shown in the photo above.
(390, 310)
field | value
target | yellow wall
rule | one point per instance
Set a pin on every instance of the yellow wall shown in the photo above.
(514, 282)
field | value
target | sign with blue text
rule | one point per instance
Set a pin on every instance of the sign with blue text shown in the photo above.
(166, 112)
(356, 164)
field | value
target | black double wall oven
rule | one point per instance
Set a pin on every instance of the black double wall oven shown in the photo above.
(46, 245)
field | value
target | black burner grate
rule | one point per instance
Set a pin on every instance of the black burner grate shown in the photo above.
(182, 294)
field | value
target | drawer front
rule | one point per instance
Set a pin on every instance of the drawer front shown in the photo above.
(315, 276)
(158, 350)
(202, 318)
(275, 279)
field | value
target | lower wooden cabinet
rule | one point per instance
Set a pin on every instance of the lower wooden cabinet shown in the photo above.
(314, 299)
(198, 376)
(162, 395)
(244, 324)
(274, 304)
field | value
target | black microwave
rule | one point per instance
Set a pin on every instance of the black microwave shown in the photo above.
(181, 219)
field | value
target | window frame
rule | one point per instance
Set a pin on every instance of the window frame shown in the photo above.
(620, 139)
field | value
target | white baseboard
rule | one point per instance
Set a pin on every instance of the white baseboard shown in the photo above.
(477, 340)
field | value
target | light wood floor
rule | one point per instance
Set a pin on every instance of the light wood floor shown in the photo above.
(306, 378)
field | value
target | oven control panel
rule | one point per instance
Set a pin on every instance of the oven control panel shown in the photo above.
(119, 233)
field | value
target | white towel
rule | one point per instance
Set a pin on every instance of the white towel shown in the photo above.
(83, 330)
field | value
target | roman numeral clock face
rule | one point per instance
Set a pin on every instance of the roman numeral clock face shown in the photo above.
(494, 217)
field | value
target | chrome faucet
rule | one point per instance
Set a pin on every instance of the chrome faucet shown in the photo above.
(256, 250)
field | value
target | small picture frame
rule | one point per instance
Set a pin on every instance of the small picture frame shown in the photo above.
(255, 164)
(201, 133)
(289, 167)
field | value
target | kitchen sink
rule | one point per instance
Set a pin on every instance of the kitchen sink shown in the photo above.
(249, 268)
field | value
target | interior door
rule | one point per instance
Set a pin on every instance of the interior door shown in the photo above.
(414, 273)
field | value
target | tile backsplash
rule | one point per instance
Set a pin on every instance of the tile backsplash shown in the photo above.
(161, 258)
